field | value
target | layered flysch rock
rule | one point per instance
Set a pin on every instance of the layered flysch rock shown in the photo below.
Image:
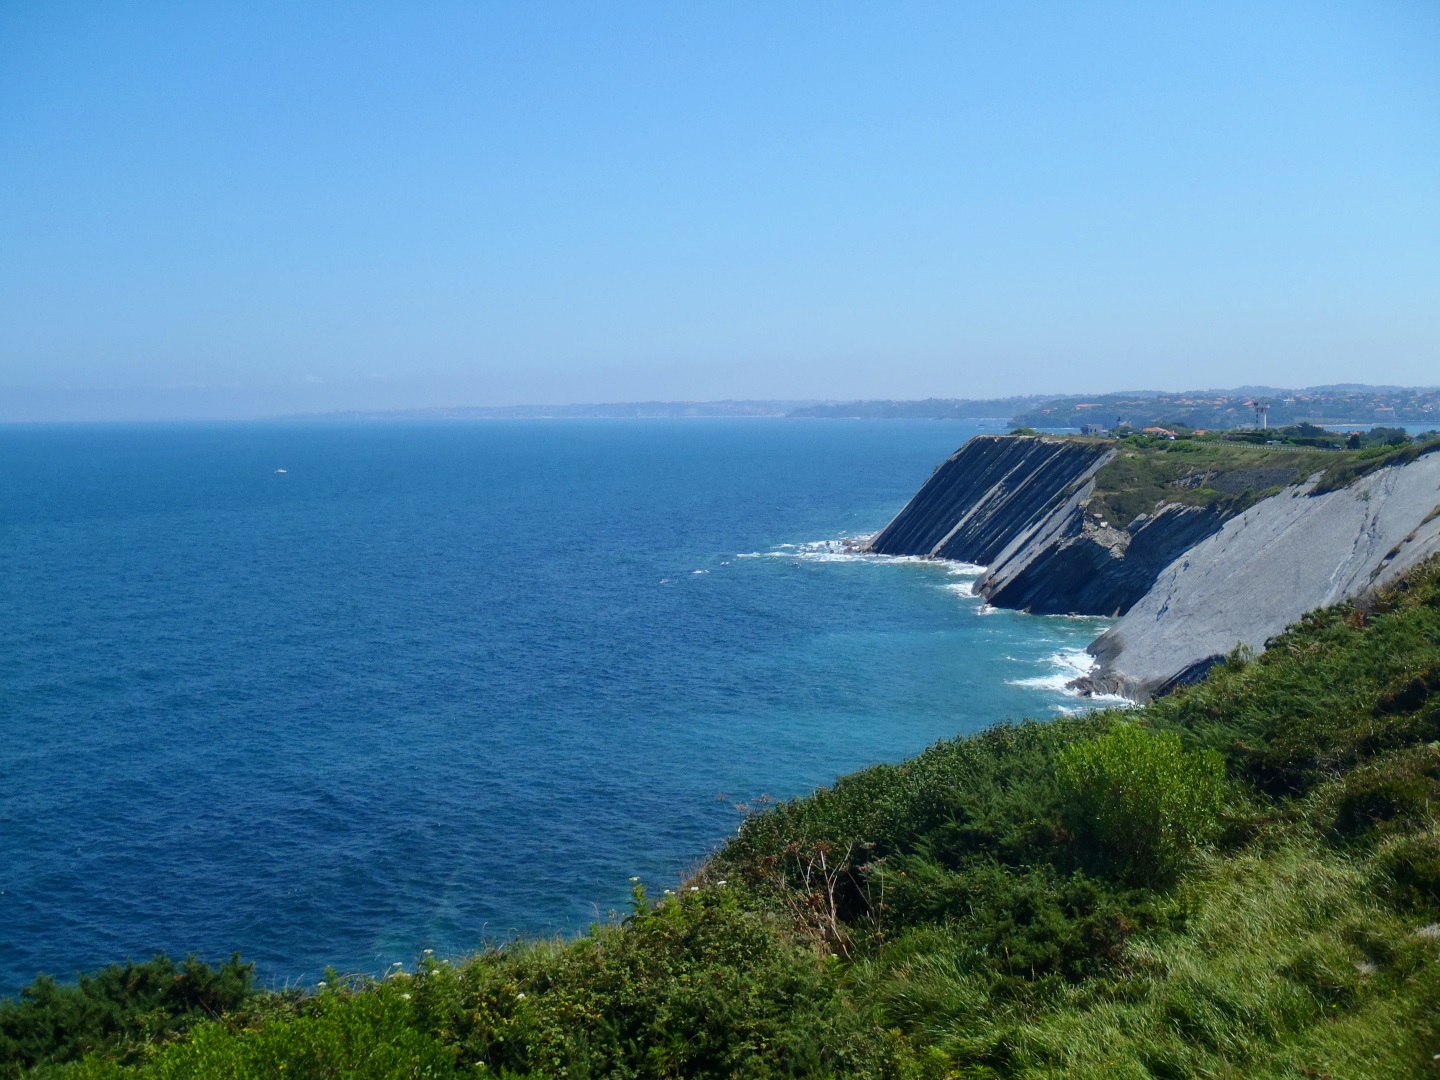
(1266, 567)
(1016, 505)
(1083, 567)
(992, 491)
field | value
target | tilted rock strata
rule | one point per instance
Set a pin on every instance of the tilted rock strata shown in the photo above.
(1084, 568)
(989, 492)
(1266, 567)
(1016, 505)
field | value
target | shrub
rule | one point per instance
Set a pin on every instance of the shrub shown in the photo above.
(117, 1009)
(1410, 869)
(698, 986)
(1140, 799)
(370, 1035)
(1392, 791)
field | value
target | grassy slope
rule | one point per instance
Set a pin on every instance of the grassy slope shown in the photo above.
(1240, 880)
(1231, 476)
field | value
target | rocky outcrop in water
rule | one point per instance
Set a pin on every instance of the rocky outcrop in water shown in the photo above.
(1266, 567)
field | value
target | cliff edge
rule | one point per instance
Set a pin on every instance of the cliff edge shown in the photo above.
(1195, 546)
(1023, 507)
(990, 493)
(1286, 555)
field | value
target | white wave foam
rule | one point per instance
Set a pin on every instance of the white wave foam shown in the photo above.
(852, 549)
(963, 569)
(1067, 665)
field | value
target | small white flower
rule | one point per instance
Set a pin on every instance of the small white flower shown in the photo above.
(321, 984)
(428, 952)
(694, 888)
(669, 892)
(405, 996)
(634, 879)
(720, 882)
(520, 996)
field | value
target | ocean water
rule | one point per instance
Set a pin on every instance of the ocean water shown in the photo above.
(436, 684)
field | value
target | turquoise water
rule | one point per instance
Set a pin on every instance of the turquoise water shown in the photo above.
(433, 684)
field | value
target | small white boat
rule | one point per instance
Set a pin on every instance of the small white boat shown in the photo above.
(278, 471)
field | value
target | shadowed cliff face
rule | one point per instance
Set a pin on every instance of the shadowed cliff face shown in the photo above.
(1096, 571)
(990, 492)
(1016, 505)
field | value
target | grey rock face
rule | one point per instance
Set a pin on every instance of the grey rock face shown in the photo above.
(1016, 505)
(989, 492)
(1088, 570)
(1266, 567)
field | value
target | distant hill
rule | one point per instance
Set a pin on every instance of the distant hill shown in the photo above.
(612, 410)
(929, 409)
(1340, 404)
(1236, 408)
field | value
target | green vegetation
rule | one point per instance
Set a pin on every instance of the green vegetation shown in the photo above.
(1242, 879)
(1232, 472)
(118, 1010)
(1233, 409)
(1353, 466)
(1222, 474)
(1143, 797)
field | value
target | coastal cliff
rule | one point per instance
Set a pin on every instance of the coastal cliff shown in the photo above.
(1289, 554)
(1018, 504)
(1195, 547)
(989, 493)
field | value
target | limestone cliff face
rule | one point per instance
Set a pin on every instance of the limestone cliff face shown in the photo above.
(1016, 505)
(1086, 568)
(991, 491)
(1188, 584)
(1266, 567)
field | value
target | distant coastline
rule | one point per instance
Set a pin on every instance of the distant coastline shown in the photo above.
(1346, 404)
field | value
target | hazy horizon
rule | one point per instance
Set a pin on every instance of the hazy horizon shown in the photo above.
(252, 211)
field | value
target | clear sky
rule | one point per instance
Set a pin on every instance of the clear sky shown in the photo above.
(252, 208)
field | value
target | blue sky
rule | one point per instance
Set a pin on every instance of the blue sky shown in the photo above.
(248, 209)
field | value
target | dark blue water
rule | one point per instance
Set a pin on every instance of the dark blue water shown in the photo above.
(434, 683)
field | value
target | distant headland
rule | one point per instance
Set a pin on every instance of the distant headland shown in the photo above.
(1345, 403)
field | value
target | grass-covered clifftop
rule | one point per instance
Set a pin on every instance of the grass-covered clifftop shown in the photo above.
(1230, 473)
(1242, 879)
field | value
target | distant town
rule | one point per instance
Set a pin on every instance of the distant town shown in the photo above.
(1242, 407)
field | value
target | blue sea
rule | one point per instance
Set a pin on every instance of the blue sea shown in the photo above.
(334, 693)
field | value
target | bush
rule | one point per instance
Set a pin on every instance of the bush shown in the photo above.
(370, 1035)
(1141, 800)
(118, 1009)
(698, 986)
(1410, 869)
(1392, 791)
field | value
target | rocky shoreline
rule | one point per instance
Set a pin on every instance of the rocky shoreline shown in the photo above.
(1188, 582)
